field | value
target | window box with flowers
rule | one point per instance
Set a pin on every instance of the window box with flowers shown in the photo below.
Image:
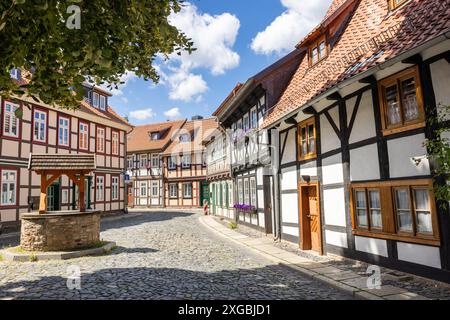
(243, 209)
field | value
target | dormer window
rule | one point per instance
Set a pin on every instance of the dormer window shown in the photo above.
(96, 99)
(318, 51)
(185, 138)
(15, 74)
(394, 4)
(155, 136)
(102, 103)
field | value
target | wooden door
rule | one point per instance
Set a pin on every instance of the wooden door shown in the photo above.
(53, 197)
(130, 195)
(267, 186)
(309, 214)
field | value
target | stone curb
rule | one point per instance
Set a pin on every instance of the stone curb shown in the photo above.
(25, 257)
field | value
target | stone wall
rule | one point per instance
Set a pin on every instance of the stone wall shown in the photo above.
(59, 231)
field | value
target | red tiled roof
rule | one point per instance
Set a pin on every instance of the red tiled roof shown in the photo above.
(411, 25)
(139, 139)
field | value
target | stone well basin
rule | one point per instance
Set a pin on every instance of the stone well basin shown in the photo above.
(60, 230)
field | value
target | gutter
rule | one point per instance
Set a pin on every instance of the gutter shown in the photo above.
(365, 74)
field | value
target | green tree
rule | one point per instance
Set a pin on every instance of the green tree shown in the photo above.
(439, 153)
(65, 41)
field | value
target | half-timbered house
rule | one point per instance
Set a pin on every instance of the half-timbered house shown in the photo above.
(355, 177)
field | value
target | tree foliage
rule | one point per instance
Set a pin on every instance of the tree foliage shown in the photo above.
(439, 153)
(116, 36)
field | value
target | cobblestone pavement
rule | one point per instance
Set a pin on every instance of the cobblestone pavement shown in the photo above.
(425, 287)
(163, 255)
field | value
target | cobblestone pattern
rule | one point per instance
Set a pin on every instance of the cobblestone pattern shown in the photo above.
(421, 286)
(163, 255)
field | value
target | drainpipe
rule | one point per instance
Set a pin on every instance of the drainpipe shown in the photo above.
(275, 139)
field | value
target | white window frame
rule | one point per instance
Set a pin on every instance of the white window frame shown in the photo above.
(100, 146)
(240, 191)
(230, 194)
(114, 188)
(155, 161)
(99, 188)
(155, 189)
(13, 120)
(246, 122)
(186, 161)
(143, 161)
(83, 133)
(253, 191)
(187, 195)
(253, 122)
(246, 191)
(114, 142)
(185, 137)
(63, 131)
(102, 103)
(12, 200)
(130, 162)
(143, 188)
(15, 73)
(173, 190)
(95, 99)
(171, 162)
(41, 125)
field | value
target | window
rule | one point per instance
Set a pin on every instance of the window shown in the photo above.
(100, 188)
(187, 190)
(396, 210)
(186, 161)
(394, 4)
(83, 136)
(246, 192)
(95, 100)
(225, 195)
(143, 187)
(155, 189)
(10, 120)
(155, 161)
(130, 162)
(253, 118)
(64, 196)
(143, 161)
(185, 137)
(307, 139)
(114, 142)
(230, 195)
(63, 131)
(262, 108)
(240, 192)
(8, 187)
(401, 101)
(115, 188)
(100, 140)
(102, 103)
(40, 126)
(253, 192)
(15, 73)
(246, 121)
(318, 51)
(154, 136)
(173, 190)
(172, 162)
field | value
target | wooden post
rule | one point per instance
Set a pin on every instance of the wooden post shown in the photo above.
(43, 199)
(82, 204)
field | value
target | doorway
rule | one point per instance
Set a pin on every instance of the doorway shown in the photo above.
(309, 217)
(267, 187)
(53, 203)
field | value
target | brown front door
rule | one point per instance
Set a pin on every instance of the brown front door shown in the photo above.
(130, 195)
(310, 235)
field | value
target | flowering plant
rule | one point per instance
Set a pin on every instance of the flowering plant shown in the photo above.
(244, 207)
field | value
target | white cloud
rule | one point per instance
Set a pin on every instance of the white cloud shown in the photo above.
(124, 100)
(186, 86)
(213, 37)
(173, 113)
(290, 27)
(143, 114)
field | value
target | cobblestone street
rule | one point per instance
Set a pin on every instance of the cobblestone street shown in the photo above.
(163, 255)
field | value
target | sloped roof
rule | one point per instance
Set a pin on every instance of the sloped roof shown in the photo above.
(198, 130)
(371, 20)
(63, 162)
(139, 140)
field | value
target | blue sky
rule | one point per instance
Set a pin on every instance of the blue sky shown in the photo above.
(235, 39)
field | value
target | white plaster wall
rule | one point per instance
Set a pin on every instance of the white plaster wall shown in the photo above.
(364, 125)
(419, 254)
(334, 207)
(290, 148)
(259, 175)
(364, 163)
(309, 169)
(371, 245)
(401, 151)
(338, 239)
(440, 74)
(290, 230)
(289, 178)
(332, 170)
(260, 195)
(261, 220)
(289, 208)
(329, 139)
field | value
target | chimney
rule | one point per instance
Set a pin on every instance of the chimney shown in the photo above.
(196, 117)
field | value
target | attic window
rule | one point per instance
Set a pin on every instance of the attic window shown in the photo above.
(155, 136)
(15, 74)
(184, 137)
(318, 51)
(394, 4)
